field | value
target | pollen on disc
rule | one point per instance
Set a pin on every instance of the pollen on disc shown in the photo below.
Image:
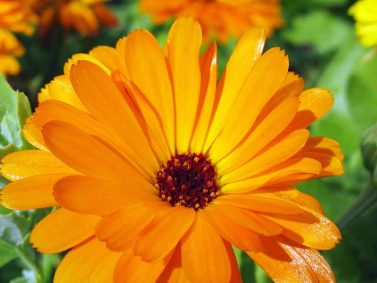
(188, 180)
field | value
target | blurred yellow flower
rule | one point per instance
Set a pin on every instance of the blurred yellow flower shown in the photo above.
(14, 17)
(219, 18)
(85, 16)
(365, 14)
(158, 168)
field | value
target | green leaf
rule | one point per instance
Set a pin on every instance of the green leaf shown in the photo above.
(362, 93)
(13, 229)
(22, 280)
(317, 29)
(7, 253)
(246, 265)
(28, 277)
(14, 110)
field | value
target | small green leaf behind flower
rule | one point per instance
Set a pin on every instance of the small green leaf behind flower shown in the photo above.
(14, 110)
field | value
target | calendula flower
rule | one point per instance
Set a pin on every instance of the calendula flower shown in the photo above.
(220, 18)
(14, 17)
(85, 16)
(158, 169)
(365, 14)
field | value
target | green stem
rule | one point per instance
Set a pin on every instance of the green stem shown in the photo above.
(362, 204)
(29, 263)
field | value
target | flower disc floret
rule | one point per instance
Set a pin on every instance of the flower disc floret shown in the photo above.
(188, 180)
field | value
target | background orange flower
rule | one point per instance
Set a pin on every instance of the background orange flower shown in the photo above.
(220, 19)
(14, 17)
(85, 16)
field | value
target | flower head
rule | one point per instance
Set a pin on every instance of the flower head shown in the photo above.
(365, 14)
(85, 16)
(158, 169)
(220, 18)
(14, 17)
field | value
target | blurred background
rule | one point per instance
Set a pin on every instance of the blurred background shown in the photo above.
(320, 39)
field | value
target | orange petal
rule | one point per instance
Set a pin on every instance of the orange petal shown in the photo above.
(174, 271)
(106, 55)
(87, 154)
(292, 86)
(248, 49)
(272, 156)
(32, 134)
(96, 196)
(286, 263)
(30, 193)
(207, 98)
(87, 57)
(151, 121)
(324, 144)
(91, 261)
(183, 45)
(311, 230)
(259, 202)
(314, 103)
(258, 88)
(52, 110)
(236, 274)
(60, 88)
(245, 218)
(326, 151)
(168, 227)
(27, 163)
(204, 256)
(62, 230)
(287, 172)
(121, 229)
(121, 47)
(294, 195)
(147, 70)
(268, 129)
(132, 269)
(103, 99)
(240, 237)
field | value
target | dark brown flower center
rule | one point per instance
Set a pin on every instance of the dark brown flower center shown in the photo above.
(188, 180)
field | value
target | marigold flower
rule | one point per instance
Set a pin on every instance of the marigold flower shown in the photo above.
(81, 15)
(220, 18)
(365, 14)
(158, 169)
(14, 17)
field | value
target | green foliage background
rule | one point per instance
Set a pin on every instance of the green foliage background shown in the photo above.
(320, 40)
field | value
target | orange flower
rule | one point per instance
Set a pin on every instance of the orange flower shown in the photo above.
(10, 49)
(14, 17)
(159, 170)
(82, 15)
(219, 18)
